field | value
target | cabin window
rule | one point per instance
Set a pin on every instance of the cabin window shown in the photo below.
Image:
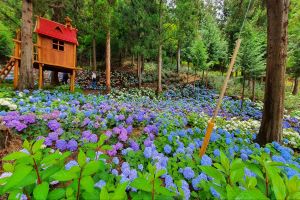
(58, 45)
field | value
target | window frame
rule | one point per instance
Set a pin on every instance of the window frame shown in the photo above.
(58, 45)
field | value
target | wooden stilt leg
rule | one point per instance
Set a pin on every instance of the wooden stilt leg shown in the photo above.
(16, 74)
(72, 81)
(40, 76)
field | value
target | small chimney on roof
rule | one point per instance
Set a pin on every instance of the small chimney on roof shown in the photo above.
(68, 22)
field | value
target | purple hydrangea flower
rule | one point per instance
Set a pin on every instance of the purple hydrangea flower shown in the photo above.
(48, 141)
(53, 125)
(93, 138)
(129, 120)
(53, 136)
(134, 145)
(72, 145)
(61, 145)
(108, 133)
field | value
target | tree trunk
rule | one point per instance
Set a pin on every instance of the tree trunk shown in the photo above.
(187, 77)
(178, 57)
(159, 67)
(202, 78)
(107, 61)
(159, 59)
(195, 78)
(253, 89)
(132, 60)
(271, 126)
(139, 71)
(91, 64)
(94, 55)
(206, 79)
(296, 86)
(26, 79)
(143, 65)
(243, 92)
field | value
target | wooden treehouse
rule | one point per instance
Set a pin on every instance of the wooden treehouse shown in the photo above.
(55, 51)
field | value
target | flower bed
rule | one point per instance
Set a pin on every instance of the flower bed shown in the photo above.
(133, 144)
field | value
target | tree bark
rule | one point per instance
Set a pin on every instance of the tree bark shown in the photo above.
(187, 77)
(159, 67)
(132, 60)
(159, 59)
(26, 78)
(206, 79)
(202, 78)
(139, 71)
(243, 92)
(253, 89)
(107, 60)
(143, 65)
(178, 57)
(94, 55)
(296, 86)
(271, 126)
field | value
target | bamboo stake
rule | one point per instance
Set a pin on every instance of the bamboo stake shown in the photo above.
(211, 122)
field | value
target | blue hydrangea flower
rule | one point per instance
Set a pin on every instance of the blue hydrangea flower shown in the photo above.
(148, 152)
(244, 156)
(249, 173)
(228, 140)
(186, 189)
(188, 173)
(216, 152)
(167, 149)
(71, 164)
(206, 160)
(214, 192)
(278, 159)
(100, 184)
(115, 160)
(140, 167)
(132, 174)
(115, 172)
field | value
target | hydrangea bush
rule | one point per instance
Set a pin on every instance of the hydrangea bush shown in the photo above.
(133, 144)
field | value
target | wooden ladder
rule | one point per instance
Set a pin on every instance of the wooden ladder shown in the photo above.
(5, 71)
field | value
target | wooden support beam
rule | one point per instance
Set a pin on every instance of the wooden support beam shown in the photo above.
(16, 74)
(40, 76)
(72, 81)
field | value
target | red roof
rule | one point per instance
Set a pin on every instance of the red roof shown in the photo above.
(56, 30)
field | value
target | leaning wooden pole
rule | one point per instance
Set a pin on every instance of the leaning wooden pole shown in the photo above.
(211, 122)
